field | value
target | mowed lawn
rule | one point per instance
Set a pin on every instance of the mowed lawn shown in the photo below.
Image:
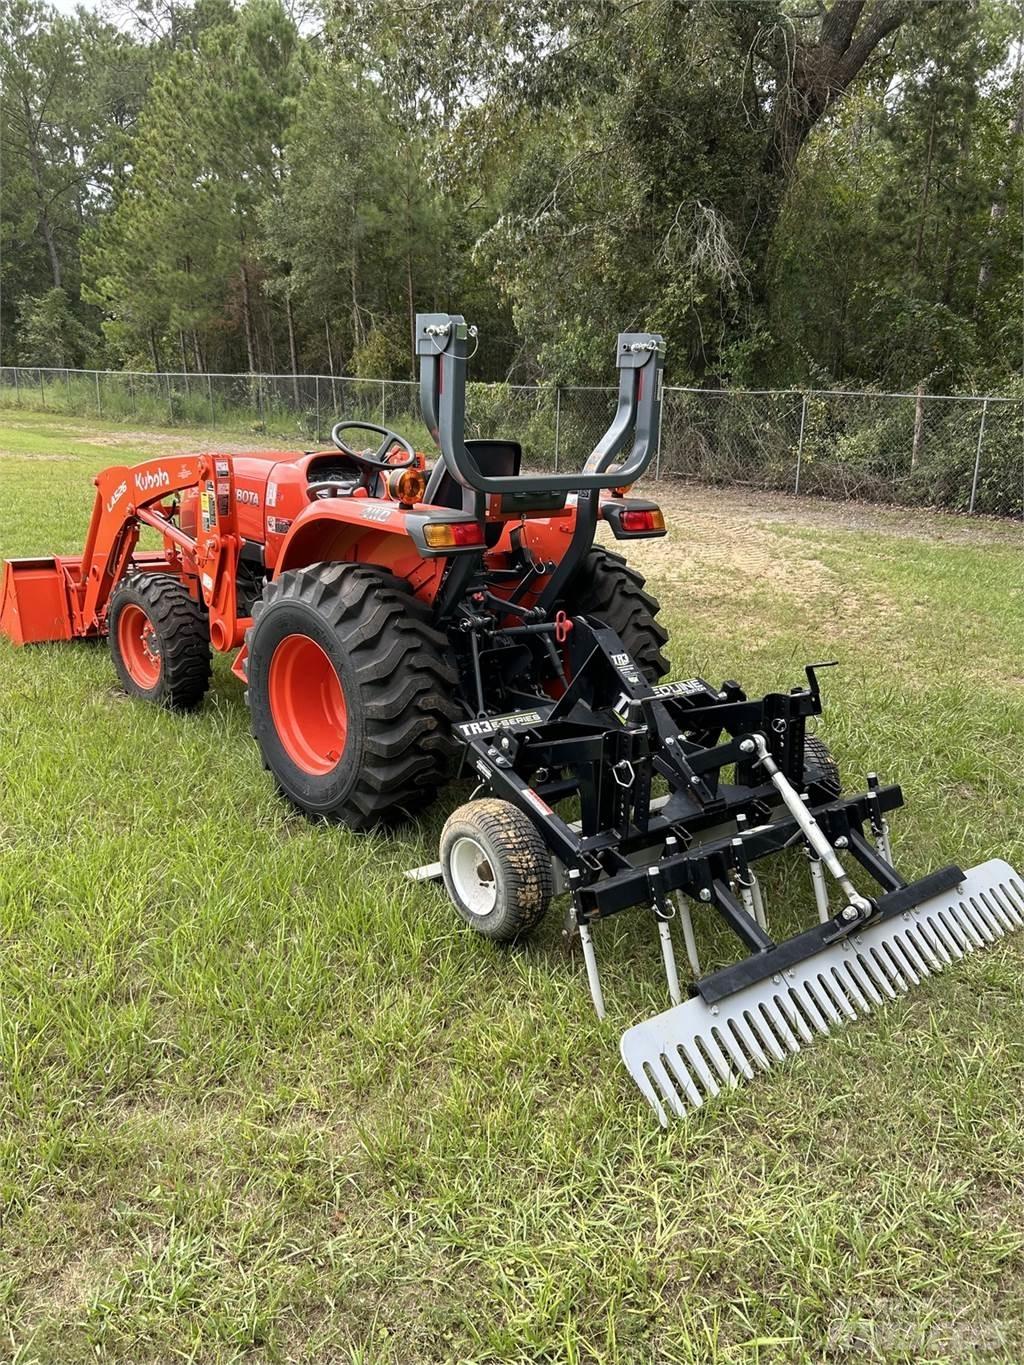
(264, 1099)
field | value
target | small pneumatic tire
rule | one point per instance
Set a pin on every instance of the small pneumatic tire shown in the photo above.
(160, 641)
(496, 869)
(820, 767)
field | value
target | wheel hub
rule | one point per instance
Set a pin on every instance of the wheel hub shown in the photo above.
(473, 876)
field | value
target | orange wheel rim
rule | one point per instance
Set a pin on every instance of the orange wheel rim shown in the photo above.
(307, 705)
(138, 646)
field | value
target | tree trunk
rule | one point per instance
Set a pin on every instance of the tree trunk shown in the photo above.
(291, 348)
(998, 210)
(39, 185)
(330, 352)
(410, 301)
(250, 352)
(925, 191)
(153, 351)
(809, 78)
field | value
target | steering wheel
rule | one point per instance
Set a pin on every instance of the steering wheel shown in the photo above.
(376, 460)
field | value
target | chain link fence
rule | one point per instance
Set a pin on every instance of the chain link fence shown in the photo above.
(961, 452)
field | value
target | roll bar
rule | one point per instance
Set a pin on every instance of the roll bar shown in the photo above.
(442, 343)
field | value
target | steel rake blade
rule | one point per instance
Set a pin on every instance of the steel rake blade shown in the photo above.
(693, 1051)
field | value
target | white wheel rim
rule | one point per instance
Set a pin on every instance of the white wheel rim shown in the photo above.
(473, 877)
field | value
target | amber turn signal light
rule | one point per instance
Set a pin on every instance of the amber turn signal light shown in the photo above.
(643, 519)
(451, 535)
(407, 486)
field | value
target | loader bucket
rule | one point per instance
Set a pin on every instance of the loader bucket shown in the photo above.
(35, 602)
(691, 1052)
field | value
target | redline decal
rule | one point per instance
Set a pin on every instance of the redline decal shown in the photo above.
(537, 801)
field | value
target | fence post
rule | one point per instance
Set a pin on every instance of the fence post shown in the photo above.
(977, 455)
(316, 385)
(657, 453)
(99, 404)
(131, 393)
(42, 392)
(209, 394)
(383, 401)
(170, 401)
(259, 400)
(17, 388)
(67, 386)
(558, 421)
(800, 444)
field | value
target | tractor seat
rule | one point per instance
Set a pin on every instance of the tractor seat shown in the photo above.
(496, 460)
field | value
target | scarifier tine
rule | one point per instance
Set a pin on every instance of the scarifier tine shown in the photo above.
(761, 1024)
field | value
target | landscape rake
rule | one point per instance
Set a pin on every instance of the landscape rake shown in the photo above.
(398, 622)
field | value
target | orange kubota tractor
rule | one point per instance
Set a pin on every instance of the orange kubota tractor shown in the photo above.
(395, 618)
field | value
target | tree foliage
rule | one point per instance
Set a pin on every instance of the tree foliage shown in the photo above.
(793, 191)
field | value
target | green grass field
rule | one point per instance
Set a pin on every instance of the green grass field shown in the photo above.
(263, 1099)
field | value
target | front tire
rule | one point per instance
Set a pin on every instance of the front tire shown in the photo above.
(606, 587)
(350, 693)
(496, 869)
(160, 641)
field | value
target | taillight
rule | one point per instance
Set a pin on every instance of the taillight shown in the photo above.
(642, 519)
(450, 535)
(407, 486)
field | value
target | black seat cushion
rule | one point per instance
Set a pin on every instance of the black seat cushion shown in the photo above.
(495, 460)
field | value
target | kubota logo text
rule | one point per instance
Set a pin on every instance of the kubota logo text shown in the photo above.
(153, 478)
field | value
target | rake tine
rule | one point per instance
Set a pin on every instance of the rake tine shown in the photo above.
(833, 987)
(859, 972)
(704, 1073)
(850, 986)
(765, 1034)
(686, 922)
(744, 1045)
(909, 947)
(904, 964)
(716, 1050)
(661, 1078)
(998, 912)
(669, 958)
(928, 950)
(760, 914)
(795, 1019)
(983, 922)
(950, 944)
(958, 930)
(593, 979)
(777, 1019)
(680, 1064)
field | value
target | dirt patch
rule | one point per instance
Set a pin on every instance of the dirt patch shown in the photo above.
(693, 504)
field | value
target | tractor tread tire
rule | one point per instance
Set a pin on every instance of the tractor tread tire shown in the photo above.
(182, 628)
(607, 587)
(523, 868)
(399, 684)
(820, 766)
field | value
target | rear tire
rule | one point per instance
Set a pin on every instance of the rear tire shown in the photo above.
(606, 587)
(160, 641)
(350, 694)
(496, 869)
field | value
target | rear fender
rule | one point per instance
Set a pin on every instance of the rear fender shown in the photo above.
(361, 531)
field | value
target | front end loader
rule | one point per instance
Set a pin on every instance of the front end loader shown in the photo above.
(399, 622)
